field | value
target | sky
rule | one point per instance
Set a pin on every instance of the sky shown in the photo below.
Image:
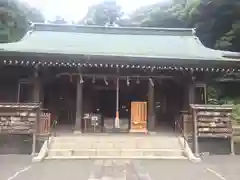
(74, 10)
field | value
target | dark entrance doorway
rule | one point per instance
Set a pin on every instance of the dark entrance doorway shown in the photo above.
(60, 100)
(107, 103)
(169, 98)
(100, 98)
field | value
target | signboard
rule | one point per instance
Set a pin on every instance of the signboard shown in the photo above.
(18, 118)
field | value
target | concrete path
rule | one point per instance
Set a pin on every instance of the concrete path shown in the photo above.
(10, 164)
(211, 168)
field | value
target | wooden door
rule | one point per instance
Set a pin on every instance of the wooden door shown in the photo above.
(138, 117)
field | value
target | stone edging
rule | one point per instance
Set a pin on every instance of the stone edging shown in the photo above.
(187, 151)
(43, 152)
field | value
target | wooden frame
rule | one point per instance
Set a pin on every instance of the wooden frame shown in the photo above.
(20, 83)
(212, 121)
(204, 86)
(20, 118)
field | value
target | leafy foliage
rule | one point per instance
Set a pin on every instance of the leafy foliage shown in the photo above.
(58, 20)
(107, 12)
(216, 21)
(15, 18)
(213, 95)
(236, 113)
(158, 15)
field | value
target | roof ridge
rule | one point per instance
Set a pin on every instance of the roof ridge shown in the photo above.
(230, 54)
(111, 30)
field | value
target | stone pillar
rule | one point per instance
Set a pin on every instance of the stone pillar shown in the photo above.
(151, 107)
(79, 106)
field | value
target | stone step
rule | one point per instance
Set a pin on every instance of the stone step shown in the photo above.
(117, 139)
(114, 145)
(147, 137)
(123, 143)
(140, 143)
(115, 153)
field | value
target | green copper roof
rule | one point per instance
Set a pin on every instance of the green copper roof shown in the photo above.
(112, 41)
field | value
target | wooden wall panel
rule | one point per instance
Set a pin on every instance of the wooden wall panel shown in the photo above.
(138, 117)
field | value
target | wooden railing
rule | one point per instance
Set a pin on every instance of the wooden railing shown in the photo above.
(45, 123)
(184, 126)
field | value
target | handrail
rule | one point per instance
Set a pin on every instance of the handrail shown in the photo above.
(179, 127)
(53, 126)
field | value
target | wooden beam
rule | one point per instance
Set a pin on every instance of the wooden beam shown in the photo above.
(151, 106)
(195, 133)
(36, 87)
(79, 106)
(114, 76)
(191, 93)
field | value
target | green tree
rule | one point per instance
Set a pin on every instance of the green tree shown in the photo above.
(59, 20)
(15, 18)
(217, 22)
(107, 12)
(159, 15)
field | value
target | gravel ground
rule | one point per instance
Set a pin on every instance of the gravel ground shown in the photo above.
(18, 144)
(211, 168)
(10, 164)
(20, 167)
(57, 170)
(228, 166)
(216, 146)
(222, 167)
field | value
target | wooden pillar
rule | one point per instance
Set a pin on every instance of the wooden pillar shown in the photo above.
(191, 93)
(79, 106)
(195, 133)
(151, 106)
(36, 99)
(36, 87)
(191, 100)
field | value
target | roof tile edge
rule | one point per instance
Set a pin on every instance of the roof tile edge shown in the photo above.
(112, 30)
(233, 55)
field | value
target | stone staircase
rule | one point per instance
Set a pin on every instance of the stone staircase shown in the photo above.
(115, 147)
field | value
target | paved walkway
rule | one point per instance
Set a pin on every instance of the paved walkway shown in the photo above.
(212, 168)
(10, 164)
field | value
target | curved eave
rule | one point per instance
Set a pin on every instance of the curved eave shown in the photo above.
(231, 55)
(138, 45)
(113, 59)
